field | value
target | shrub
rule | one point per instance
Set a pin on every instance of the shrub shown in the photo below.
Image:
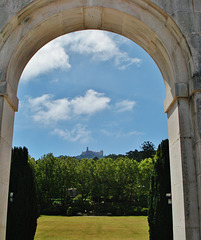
(69, 211)
(54, 211)
(144, 211)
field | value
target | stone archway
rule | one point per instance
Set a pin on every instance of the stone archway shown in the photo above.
(29, 25)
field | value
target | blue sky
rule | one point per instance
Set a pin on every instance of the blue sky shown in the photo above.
(90, 88)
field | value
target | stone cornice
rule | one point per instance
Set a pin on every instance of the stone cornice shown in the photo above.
(7, 92)
(181, 91)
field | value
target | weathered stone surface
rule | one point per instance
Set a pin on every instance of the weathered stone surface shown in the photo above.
(3, 207)
(186, 19)
(183, 168)
(195, 84)
(5, 155)
(9, 8)
(194, 40)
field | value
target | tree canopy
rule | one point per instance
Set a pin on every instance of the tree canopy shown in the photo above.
(102, 185)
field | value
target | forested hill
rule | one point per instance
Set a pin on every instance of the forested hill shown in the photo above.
(147, 150)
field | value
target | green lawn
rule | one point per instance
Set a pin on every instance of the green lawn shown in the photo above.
(92, 228)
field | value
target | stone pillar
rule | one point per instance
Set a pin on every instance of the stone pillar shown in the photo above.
(8, 106)
(183, 166)
(195, 95)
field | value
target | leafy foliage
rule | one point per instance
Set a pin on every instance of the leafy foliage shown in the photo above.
(145, 171)
(147, 151)
(103, 185)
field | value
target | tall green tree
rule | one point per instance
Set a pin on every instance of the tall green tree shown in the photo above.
(46, 183)
(84, 178)
(160, 212)
(105, 185)
(22, 206)
(147, 150)
(105, 177)
(65, 176)
(134, 155)
(145, 172)
(125, 179)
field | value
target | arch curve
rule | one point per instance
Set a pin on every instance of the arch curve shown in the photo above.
(141, 21)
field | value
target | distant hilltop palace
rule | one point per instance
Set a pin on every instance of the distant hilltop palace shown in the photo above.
(90, 154)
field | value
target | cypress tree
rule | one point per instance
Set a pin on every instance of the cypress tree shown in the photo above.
(22, 207)
(160, 212)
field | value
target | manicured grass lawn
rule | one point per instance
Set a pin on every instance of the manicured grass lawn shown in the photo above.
(92, 228)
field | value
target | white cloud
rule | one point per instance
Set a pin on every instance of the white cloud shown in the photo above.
(52, 56)
(106, 132)
(117, 133)
(47, 110)
(125, 105)
(123, 61)
(121, 134)
(95, 43)
(100, 45)
(134, 133)
(78, 133)
(91, 103)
